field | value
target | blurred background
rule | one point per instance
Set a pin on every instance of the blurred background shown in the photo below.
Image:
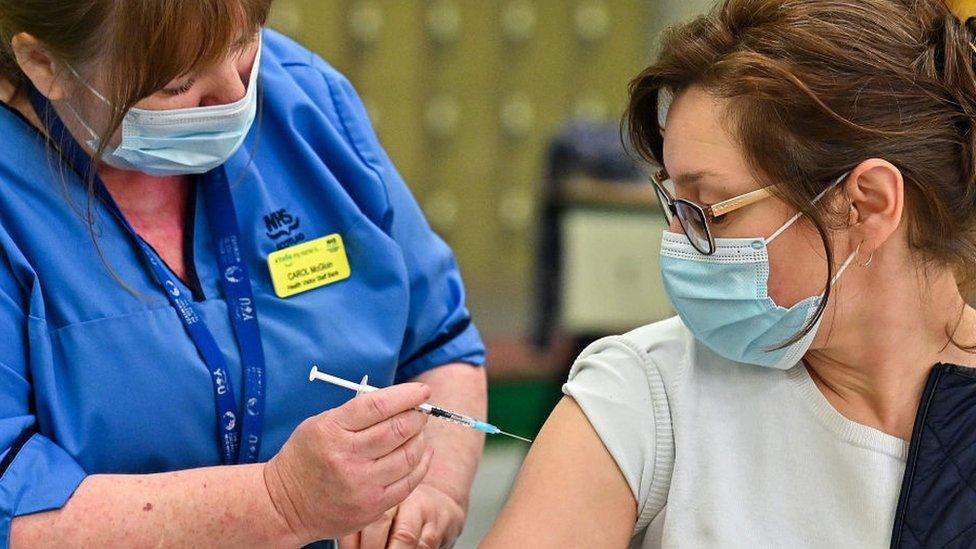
(503, 117)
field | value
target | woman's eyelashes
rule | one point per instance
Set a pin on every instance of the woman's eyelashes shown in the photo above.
(185, 87)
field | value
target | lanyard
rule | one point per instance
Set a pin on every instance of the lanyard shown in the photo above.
(238, 432)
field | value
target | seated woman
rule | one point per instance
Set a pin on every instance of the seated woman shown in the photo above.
(818, 169)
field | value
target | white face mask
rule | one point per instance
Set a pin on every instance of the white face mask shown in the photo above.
(179, 141)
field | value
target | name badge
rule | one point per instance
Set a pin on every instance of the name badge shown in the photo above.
(309, 265)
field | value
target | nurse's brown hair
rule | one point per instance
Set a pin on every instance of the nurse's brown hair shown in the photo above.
(815, 87)
(143, 44)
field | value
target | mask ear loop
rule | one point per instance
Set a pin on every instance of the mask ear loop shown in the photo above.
(782, 229)
(88, 86)
(796, 217)
(846, 264)
(94, 136)
(95, 140)
(788, 224)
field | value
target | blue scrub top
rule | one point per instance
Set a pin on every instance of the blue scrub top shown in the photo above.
(97, 379)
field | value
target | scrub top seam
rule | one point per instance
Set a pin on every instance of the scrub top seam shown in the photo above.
(54, 330)
(439, 342)
(44, 137)
(352, 141)
(4, 366)
(375, 166)
(192, 281)
(18, 444)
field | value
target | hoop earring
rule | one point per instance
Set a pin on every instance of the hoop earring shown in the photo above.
(858, 253)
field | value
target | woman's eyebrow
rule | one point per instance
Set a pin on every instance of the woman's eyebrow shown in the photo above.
(690, 178)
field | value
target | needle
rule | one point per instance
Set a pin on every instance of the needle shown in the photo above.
(429, 409)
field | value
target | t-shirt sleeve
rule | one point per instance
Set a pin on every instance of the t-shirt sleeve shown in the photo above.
(622, 394)
(439, 326)
(35, 473)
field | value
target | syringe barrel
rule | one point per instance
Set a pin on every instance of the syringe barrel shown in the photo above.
(450, 416)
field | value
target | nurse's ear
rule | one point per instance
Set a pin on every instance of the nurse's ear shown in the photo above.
(38, 65)
(876, 190)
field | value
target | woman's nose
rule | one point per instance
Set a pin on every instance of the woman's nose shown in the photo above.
(225, 85)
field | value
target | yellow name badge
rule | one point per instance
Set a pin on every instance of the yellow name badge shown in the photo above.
(309, 265)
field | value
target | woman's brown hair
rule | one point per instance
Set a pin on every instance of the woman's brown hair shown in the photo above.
(815, 87)
(144, 45)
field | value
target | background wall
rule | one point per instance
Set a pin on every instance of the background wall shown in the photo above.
(465, 94)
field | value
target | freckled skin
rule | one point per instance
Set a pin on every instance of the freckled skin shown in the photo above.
(157, 209)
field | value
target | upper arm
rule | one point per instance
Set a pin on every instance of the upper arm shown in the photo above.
(570, 492)
(601, 468)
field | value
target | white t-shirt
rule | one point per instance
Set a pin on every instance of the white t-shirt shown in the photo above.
(760, 458)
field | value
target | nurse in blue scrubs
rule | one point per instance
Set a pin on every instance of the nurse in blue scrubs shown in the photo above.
(193, 212)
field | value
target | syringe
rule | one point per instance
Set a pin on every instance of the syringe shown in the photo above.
(425, 408)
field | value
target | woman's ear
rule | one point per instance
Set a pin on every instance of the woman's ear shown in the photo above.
(38, 65)
(876, 190)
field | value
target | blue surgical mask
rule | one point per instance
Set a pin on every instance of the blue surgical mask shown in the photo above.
(179, 141)
(724, 300)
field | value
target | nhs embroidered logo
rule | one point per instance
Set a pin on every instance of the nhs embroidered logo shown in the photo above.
(283, 228)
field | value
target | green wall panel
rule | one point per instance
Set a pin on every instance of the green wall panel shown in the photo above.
(465, 95)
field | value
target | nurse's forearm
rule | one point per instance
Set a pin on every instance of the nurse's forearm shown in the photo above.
(461, 388)
(208, 507)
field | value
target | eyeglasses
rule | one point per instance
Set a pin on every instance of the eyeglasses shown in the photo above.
(695, 219)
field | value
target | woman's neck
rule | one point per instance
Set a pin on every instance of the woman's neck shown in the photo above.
(881, 347)
(145, 199)
(156, 207)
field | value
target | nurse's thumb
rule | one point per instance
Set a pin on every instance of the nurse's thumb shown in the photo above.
(368, 409)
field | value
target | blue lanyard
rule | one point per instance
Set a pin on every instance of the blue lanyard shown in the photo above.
(233, 424)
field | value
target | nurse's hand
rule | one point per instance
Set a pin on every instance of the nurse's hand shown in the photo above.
(428, 519)
(344, 468)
